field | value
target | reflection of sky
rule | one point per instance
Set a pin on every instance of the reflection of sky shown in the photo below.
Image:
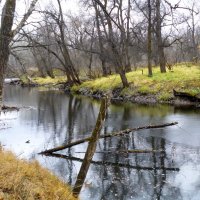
(188, 180)
(18, 133)
(46, 122)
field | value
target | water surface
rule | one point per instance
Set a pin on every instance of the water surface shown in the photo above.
(52, 118)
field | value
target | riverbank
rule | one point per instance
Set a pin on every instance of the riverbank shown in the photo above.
(148, 90)
(143, 89)
(22, 180)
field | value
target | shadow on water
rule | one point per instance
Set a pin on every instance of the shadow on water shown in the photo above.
(51, 118)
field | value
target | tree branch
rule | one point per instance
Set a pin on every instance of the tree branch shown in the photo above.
(119, 133)
(24, 19)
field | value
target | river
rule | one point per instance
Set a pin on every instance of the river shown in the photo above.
(51, 118)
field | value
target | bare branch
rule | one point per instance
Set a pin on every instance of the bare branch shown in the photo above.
(24, 19)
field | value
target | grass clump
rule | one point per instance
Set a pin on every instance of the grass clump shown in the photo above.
(48, 80)
(22, 180)
(40, 81)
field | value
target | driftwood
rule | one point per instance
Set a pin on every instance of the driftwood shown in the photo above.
(124, 165)
(91, 148)
(119, 133)
(186, 96)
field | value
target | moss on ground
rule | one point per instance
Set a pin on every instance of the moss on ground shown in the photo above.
(48, 80)
(22, 180)
(183, 78)
(44, 81)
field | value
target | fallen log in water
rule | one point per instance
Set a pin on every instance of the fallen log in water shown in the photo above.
(91, 147)
(119, 133)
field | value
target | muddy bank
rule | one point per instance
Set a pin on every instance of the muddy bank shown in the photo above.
(116, 96)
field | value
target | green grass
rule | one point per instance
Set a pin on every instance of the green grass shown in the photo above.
(45, 81)
(48, 80)
(183, 78)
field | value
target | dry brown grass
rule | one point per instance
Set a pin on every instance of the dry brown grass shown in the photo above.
(20, 180)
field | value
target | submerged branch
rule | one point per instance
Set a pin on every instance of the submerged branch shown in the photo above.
(125, 165)
(130, 151)
(119, 133)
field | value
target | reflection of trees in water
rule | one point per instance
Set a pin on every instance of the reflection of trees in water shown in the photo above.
(129, 182)
(117, 181)
(64, 116)
(50, 115)
(126, 177)
(159, 179)
(136, 182)
(122, 179)
(70, 118)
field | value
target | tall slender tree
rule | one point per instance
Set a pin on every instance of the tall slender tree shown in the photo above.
(159, 40)
(149, 39)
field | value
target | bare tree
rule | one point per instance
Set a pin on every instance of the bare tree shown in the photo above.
(117, 56)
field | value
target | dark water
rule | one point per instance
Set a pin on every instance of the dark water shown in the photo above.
(51, 118)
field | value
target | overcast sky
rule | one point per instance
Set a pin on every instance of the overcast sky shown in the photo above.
(71, 6)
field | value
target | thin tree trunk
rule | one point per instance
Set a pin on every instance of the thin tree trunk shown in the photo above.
(159, 38)
(116, 56)
(128, 63)
(100, 40)
(71, 71)
(149, 40)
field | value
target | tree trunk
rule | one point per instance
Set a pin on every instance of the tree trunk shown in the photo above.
(69, 66)
(6, 35)
(128, 63)
(3, 65)
(5, 38)
(91, 55)
(100, 40)
(149, 40)
(123, 78)
(159, 38)
(117, 57)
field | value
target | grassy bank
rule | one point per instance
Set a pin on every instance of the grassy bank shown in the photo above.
(48, 81)
(183, 78)
(22, 180)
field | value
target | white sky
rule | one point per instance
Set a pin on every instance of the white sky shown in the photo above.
(73, 6)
